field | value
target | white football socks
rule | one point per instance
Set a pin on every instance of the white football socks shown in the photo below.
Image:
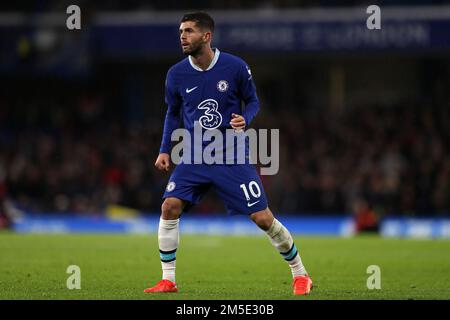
(283, 242)
(168, 240)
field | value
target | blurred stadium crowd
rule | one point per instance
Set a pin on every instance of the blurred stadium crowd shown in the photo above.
(73, 145)
(76, 153)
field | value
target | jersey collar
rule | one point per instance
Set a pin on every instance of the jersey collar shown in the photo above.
(213, 62)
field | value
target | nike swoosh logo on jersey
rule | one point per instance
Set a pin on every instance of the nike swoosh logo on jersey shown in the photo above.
(190, 90)
(252, 204)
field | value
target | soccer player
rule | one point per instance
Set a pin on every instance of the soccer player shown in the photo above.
(208, 88)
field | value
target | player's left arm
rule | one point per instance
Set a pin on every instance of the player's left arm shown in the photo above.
(247, 91)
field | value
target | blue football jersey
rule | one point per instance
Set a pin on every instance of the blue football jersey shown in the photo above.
(208, 97)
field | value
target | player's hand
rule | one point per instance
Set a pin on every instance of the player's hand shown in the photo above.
(163, 162)
(237, 122)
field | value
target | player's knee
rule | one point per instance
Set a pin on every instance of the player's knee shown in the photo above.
(263, 219)
(171, 209)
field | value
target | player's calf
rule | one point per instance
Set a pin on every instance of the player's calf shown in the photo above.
(168, 240)
(282, 240)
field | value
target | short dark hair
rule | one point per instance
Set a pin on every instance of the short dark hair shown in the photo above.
(202, 19)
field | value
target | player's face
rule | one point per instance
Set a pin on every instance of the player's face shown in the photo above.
(192, 38)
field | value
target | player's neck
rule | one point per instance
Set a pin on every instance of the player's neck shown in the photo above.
(204, 58)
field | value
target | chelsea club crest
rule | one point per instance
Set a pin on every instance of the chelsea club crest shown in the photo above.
(170, 186)
(222, 85)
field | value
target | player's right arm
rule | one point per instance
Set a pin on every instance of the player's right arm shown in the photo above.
(172, 122)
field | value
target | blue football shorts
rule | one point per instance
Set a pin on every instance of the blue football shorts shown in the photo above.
(239, 186)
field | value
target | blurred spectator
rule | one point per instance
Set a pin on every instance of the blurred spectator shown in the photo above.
(366, 219)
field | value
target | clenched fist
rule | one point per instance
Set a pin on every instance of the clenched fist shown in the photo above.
(163, 162)
(237, 122)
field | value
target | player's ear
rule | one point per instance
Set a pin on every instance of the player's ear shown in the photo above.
(207, 36)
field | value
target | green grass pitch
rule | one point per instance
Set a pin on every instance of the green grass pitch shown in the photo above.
(220, 267)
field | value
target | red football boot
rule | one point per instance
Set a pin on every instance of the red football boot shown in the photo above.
(302, 285)
(163, 286)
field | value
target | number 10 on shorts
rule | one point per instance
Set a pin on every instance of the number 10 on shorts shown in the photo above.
(254, 189)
